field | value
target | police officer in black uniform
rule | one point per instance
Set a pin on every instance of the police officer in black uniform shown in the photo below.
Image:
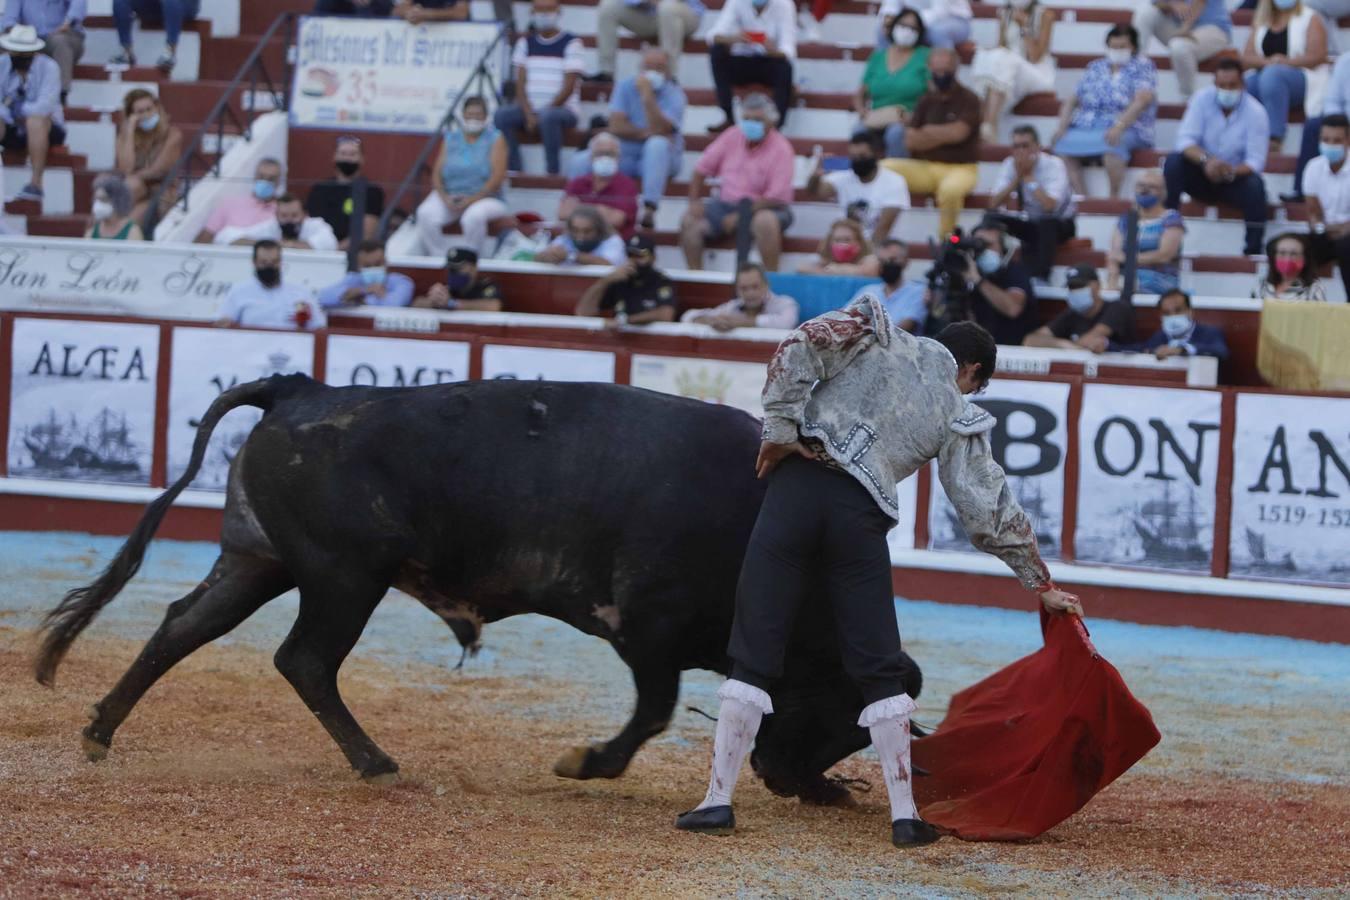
(465, 287)
(636, 291)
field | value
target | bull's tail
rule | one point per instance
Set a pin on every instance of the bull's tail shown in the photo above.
(79, 607)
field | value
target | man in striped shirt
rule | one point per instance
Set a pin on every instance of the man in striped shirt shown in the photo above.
(548, 65)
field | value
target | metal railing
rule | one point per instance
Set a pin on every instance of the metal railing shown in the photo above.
(255, 73)
(481, 82)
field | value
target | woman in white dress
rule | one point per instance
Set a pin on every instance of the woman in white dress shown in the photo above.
(1020, 65)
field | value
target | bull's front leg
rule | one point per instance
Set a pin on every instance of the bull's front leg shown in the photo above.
(658, 688)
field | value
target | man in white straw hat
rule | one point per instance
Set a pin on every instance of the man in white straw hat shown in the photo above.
(31, 118)
(60, 24)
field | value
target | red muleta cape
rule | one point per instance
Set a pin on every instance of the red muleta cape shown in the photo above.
(1030, 745)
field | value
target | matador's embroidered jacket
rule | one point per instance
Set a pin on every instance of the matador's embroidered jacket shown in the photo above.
(883, 403)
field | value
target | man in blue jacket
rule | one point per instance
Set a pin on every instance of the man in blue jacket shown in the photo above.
(1180, 334)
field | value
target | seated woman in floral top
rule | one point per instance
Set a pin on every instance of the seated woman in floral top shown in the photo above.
(1291, 274)
(1112, 112)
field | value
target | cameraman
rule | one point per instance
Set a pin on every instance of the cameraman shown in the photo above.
(997, 291)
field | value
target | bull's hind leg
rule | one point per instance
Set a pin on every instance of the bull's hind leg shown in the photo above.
(334, 609)
(658, 688)
(235, 589)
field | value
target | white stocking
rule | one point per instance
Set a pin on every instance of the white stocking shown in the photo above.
(888, 721)
(738, 718)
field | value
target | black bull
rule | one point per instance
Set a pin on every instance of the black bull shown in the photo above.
(622, 512)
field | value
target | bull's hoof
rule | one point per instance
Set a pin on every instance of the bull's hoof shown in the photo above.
(382, 779)
(94, 749)
(573, 764)
(824, 792)
(912, 833)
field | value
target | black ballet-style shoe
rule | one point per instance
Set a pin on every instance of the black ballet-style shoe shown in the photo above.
(912, 833)
(718, 820)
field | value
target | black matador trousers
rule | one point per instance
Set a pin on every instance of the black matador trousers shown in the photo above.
(818, 525)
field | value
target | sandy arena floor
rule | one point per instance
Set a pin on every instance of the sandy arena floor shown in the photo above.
(221, 784)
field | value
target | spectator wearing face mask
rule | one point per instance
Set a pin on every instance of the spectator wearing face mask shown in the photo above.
(944, 142)
(1180, 334)
(905, 301)
(111, 211)
(754, 306)
(548, 64)
(1090, 323)
(233, 216)
(753, 42)
(636, 291)
(645, 114)
(292, 228)
(1221, 152)
(60, 25)
(464, 287)
(895, 78)
(263, 301)
(1002, 298)
(148, 147)
(1039, 183)
(372, 284)
(754, 164)
(331, 200)
(610, 191)
(31, 117)
(1161, 231)
(588, 241)
(1290, 273)
(1326, 182)
(946, 21)
(468, 183)
(843, 251)
(1286, 62)
(865, 192)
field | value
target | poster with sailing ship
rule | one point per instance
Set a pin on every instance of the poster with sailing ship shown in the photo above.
(1147, 477)
(82, 400)
(1029, 441)
(209, 361)
(1291, 489)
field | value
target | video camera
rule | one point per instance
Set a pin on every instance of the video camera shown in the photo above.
(948, 279)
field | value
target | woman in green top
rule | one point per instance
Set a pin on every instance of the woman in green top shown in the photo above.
(112, 211)
(894, 80)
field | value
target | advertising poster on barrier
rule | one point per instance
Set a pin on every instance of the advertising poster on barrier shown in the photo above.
(394, 362)
(1029, 442)
(547, 363)
(735, 384)
(1147, 477)
(82, 400)
(138, 278)
(1291, 489)
(371, 74)
(209, 361)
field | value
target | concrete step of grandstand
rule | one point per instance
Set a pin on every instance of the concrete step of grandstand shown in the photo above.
(58, 182)
(101, 44)
(68, 226)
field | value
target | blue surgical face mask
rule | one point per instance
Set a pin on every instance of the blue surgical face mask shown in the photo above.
(753, 129)
(1335, 153)
(372, 275)
(656, 79)
(457, 281)
(149, 123)
(760, 4)
(1080, 299)
(989, 261)
(1176, 325)
(1285, 4)
(264, 190)
(1228, 98)
(1147, 201)
(546, 21)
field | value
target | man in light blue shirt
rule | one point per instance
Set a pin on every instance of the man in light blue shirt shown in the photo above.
(264, 301)
(60, 24)
(31, 118)
(1221, 152)
(1336, 102)
(904, 300)
(372, 284)
(645, 114)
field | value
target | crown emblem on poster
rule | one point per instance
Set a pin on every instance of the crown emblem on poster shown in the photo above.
(703, 385)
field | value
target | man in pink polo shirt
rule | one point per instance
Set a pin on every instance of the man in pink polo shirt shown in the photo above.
(237, 219)
(755, 163)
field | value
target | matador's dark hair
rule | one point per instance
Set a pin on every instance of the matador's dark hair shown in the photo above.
(969, 342)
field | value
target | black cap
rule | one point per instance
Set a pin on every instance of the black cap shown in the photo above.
(1081, 275)
(641, 243)
(460, 256)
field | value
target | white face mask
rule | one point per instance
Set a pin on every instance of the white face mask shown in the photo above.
(656, 79)
(1175, 326)
(1019, 4)
(1080, 299)
(904, 36)
(1117, 56)
(604, 166)
(102, 209)
(474, 126)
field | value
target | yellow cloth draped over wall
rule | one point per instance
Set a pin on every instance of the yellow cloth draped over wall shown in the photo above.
(1305, 346)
